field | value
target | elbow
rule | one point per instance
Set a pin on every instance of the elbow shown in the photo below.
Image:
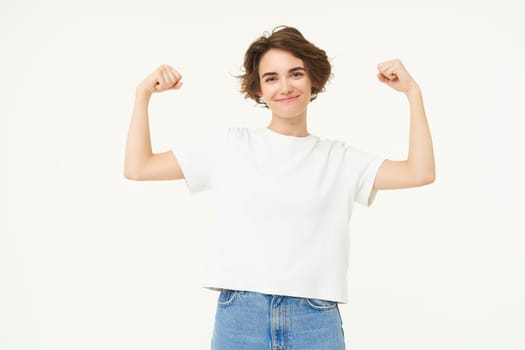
(427, 179)
(432, 178)
(128, 175)
(131, 175)
(135, 170)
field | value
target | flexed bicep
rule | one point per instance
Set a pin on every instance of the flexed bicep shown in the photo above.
(396, 174)
(161, 166)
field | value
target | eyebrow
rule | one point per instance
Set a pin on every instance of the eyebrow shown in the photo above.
(291, 70)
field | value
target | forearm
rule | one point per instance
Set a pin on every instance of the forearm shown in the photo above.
(420, 152)
(138, 145)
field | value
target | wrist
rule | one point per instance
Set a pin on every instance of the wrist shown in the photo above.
(412, 91)
(143, 92)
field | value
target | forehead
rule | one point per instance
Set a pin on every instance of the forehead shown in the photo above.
(277, 60)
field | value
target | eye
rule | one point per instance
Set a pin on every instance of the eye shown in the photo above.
(269, 79)
(297, 74)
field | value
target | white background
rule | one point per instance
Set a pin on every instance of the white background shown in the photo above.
(90, 260)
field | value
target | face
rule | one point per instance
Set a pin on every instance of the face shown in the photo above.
(285, 84)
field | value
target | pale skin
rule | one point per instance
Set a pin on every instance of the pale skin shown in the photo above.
(419, 167)
(140, 162)
(285, 87)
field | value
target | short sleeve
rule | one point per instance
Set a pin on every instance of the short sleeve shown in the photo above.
(363, 168)
(198, 160)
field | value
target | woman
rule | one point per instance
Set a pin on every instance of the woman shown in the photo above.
(283, 196)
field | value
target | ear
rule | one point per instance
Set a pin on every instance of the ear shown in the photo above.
(258, 92)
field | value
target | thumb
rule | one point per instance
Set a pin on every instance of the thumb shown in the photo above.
(382, 78)
(177, 85)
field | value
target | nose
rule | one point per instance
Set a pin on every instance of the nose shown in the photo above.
(286, 87)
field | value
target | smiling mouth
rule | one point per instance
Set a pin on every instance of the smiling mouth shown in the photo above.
(288, 99)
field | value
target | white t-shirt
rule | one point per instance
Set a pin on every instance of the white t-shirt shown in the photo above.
(283, 205)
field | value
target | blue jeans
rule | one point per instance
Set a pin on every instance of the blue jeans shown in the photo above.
(246, 320)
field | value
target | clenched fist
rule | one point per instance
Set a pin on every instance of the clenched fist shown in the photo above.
(394, 74)
(163, 78)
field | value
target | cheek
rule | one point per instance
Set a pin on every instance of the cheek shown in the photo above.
(268, 90)
(307, 85)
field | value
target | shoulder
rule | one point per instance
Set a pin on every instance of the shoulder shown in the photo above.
(242, 134)
(238, 131)
(228, 133)
(333, 145)
(337, 145)
(347, 151)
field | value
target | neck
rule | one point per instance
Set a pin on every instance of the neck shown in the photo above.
(295, 126)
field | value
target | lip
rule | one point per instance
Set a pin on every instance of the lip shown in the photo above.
(289, 99)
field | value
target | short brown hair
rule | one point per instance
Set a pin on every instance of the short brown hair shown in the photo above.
(289, 39)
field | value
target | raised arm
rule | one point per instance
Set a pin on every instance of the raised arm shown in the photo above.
(419, 168)
(140, 162)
